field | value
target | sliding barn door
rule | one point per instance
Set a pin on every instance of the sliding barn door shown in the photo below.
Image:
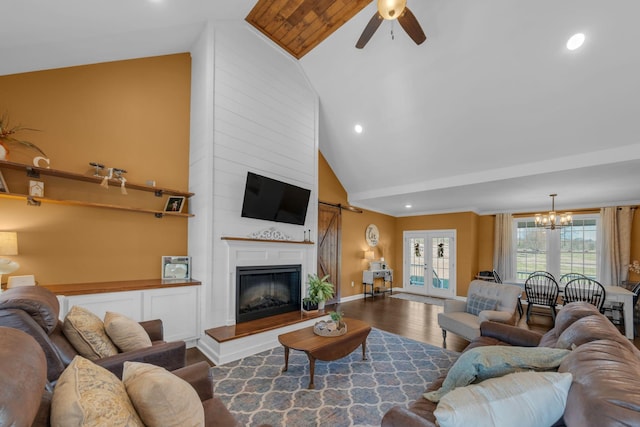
(329, 234)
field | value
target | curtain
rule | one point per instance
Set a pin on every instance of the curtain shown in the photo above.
(615, 247)
(503, 260)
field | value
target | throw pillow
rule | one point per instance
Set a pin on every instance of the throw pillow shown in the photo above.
(161, 398)
(86, 333)
(486, 362)
(478, 303)
(525, 399)
(126, 333)
(88, 395)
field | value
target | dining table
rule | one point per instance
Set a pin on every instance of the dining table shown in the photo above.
(625, 296)
(614, 294)
(619, 294)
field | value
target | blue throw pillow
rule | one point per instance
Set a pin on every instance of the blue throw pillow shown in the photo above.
(477, 303)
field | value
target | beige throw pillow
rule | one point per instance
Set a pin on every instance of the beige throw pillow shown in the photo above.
(126, 333)
(86, 333)
(90, 396)
(161, 398)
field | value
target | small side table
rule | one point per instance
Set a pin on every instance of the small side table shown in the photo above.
(368, 280)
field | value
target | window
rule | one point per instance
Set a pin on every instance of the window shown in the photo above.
(565, 250)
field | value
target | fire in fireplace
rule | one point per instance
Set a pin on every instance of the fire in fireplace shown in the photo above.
(263, 291)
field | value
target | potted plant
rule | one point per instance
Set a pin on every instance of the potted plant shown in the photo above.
(336, 316)
(7, 137)
(320, 289)
(331, 328)
(310, 304)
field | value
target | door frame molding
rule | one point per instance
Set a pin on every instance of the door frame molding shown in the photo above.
(407, 234)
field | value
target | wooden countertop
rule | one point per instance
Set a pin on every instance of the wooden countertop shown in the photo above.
(118, 286)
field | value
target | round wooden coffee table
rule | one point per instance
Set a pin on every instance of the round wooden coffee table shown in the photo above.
(325, 348)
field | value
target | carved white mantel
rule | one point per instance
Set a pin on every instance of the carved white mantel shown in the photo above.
(244, 252)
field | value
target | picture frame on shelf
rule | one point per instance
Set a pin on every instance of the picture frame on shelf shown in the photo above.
(176, 268)
(3, 184)
(174, 204)
(36, 188)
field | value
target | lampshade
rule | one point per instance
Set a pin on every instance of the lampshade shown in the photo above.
(8, 243)
(368, 255)
(391, 9)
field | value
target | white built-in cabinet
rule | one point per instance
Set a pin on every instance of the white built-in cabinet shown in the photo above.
(178, 307)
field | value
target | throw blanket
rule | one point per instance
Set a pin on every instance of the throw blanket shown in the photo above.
(481, 363)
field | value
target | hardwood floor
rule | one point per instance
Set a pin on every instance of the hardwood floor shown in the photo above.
(410, 319)
(414, 320)
(419, 321)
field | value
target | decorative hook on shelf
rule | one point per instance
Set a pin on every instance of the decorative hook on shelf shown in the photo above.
(98, 167)
(33, 202)
(106, 178)
(119, 175)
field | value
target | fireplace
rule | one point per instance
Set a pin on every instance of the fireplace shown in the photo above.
(263, 291)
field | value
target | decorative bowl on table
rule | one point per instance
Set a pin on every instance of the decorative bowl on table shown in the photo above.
(329, 328)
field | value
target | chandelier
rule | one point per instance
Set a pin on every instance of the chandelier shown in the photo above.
(553, 220)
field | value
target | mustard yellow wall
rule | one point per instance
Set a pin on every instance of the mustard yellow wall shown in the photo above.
(128, 114)
(485, 242)
(353, 232)
(475, 235)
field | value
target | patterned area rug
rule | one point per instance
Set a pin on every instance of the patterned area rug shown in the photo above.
(420, 298)
(349, 391)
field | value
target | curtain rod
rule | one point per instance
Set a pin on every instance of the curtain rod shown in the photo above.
(575, 211)
(340, 206)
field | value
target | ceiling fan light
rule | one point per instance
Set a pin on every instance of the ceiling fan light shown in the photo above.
(391, 9)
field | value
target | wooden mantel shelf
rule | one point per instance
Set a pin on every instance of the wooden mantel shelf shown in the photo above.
(118, 286)
(249, 239)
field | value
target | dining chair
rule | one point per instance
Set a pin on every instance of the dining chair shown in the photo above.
(585, 289)
(541, 289)
(497, 279)
(546, 273)
(566, 278)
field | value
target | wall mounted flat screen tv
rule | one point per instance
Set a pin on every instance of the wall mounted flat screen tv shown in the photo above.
(272, 200)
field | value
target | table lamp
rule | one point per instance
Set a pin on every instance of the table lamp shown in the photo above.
(8, 246)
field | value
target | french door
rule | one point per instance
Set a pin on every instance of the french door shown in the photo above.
(430, 263)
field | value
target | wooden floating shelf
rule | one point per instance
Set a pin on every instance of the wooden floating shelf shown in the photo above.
(37, 200)
(34, 171)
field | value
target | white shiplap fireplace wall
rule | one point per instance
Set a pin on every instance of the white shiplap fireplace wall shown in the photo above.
(252, 109)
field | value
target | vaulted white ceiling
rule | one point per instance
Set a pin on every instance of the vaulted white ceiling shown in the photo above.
(491, 114)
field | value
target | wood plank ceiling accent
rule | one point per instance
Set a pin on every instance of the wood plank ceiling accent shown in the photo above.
(300, 25)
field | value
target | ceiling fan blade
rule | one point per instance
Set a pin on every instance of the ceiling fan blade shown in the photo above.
(371, 28)
(410, 24)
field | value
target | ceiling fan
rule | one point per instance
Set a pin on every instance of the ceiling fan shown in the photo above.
(391, 10)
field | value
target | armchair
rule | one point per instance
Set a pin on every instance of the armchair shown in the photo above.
(35, 310)
(485, 301)
(25, 397)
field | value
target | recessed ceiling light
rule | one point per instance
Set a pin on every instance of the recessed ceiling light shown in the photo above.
(358, 128)
(575, 41)
(408, 206)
